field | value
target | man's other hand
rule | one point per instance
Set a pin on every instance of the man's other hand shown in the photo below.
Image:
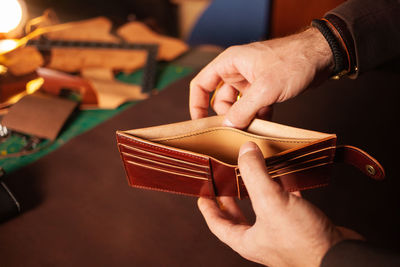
(288, 231)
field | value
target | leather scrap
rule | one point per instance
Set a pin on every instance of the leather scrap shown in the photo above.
(39, 115)
(110, 92)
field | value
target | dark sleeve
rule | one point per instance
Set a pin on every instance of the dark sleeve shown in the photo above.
(352, 253)
(375, 28)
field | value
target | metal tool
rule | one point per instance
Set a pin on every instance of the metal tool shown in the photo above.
(149, 72)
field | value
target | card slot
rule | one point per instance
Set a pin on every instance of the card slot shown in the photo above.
(299, 164)
(325, 145)
(162, 163)
(166, 171)
(296, 167)
(289, 172)
(287, 162)
(166, 158)
(299, 170)
(278, 163)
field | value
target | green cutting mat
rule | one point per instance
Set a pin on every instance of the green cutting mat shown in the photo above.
(83, 121)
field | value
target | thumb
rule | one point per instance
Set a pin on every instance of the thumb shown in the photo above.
(246, 108)
(261, 188)
(349, 233)
(224, 228)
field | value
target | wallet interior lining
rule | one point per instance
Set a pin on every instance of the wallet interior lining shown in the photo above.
(257, 127)
(206, 136)
(223, 143)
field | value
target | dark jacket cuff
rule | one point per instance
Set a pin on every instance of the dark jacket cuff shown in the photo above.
(375, 28)
(352, 253)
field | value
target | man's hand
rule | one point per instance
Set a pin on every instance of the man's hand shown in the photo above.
(289, 231)
(264, 72)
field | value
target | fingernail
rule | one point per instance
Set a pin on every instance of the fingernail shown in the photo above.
(247, 147)
(228, 123)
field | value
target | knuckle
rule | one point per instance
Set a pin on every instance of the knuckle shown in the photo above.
(219, 108)
(233, 49)
(264, 87)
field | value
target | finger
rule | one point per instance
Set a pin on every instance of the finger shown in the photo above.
(200, 88)
(296, 193)
(208, 79)
(243, 111)
(349, 233)
(230, 207)
(224, 99)
(241, 85)
(265, 113)
(226, 230)
(261, 188)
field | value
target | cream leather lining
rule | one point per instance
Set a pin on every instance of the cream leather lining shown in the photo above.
(206, 136)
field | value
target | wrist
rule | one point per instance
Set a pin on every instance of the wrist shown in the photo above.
(317, 50)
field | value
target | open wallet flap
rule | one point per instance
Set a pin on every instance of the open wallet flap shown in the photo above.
(199, 157)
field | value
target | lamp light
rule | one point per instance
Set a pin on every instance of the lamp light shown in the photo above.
(13, 16)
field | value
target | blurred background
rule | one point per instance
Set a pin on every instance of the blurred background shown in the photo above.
(178, 18)
(161, 14)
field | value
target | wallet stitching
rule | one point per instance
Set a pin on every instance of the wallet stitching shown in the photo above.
(296, 156)
(164, 149)
(196, 195)
(232, 130)
(303, 169)
(132, 184)
(194, 156)
(170, 172)
(291, 189)
(164, 156)
(163, 163)
(297, 164)
(294, 171)
(166, 190)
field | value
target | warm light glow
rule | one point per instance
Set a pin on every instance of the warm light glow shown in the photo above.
(31, 87)
(34, 85)
(3, 69)
(10, 15)
(7, 45)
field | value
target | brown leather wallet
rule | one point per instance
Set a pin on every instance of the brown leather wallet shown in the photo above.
(199, 157)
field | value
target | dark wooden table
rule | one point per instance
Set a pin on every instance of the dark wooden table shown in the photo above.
(79, 210)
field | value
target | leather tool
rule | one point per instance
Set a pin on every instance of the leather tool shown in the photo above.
(149, 72)
(199, 157)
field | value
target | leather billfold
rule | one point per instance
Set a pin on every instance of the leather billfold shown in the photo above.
(199, 157)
